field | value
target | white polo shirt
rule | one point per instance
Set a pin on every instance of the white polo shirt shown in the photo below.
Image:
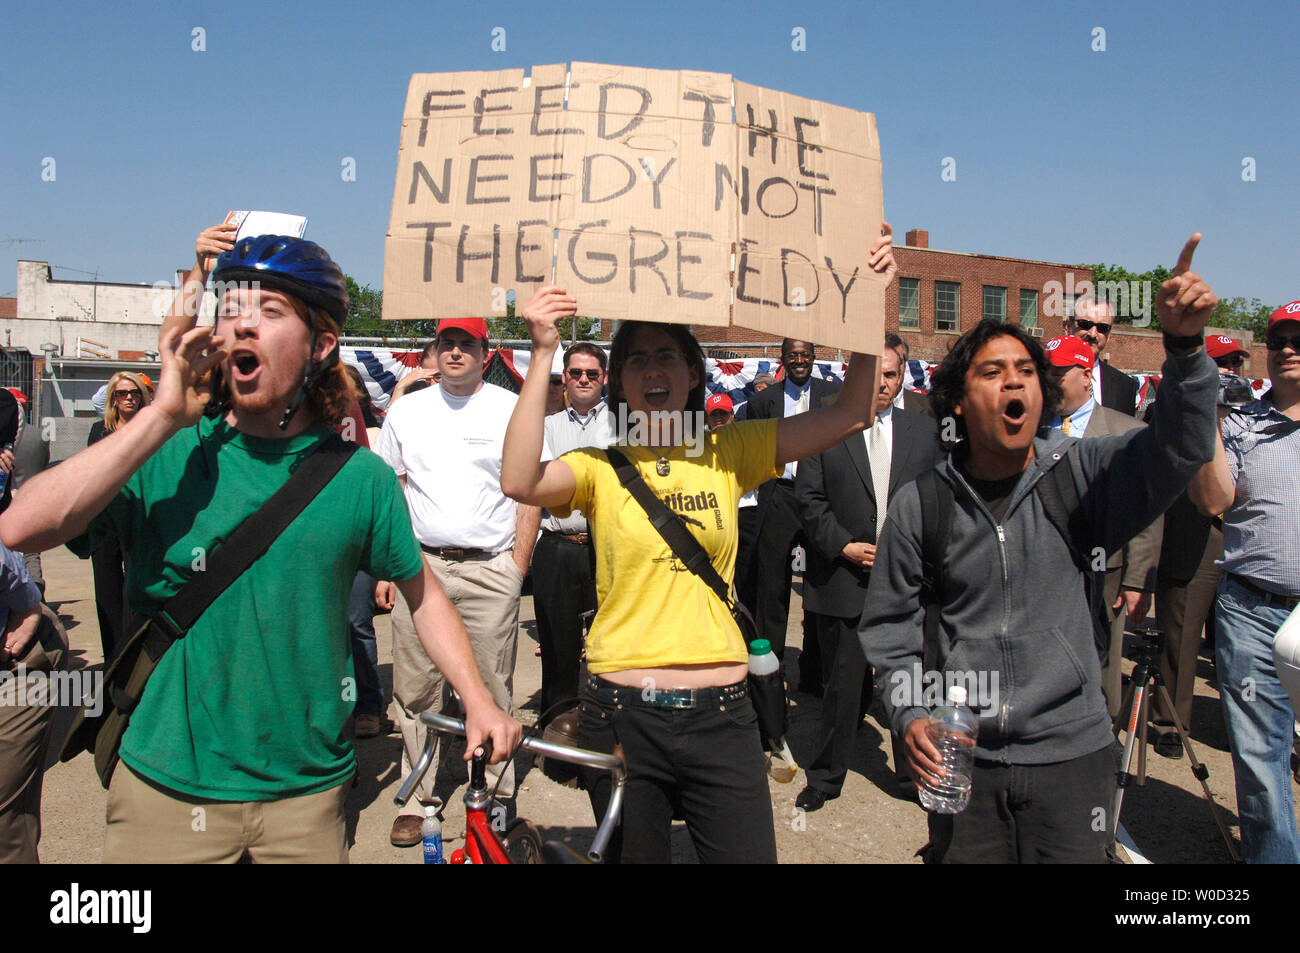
(449, 450)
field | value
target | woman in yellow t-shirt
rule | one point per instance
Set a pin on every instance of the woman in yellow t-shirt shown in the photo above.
(667, 663)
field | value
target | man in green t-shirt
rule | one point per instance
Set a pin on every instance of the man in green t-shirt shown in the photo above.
(238, 746)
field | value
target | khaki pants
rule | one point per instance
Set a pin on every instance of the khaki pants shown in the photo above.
(24, 731)
(485, 592)
(151, 825)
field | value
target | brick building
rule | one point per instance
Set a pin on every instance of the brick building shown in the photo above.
(941, 294)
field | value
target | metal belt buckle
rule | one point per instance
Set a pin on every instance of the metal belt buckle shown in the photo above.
(679, 698)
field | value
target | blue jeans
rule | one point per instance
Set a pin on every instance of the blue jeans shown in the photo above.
(365, 651)
(1260, 723)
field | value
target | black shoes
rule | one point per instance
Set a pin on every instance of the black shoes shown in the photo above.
(811, 799)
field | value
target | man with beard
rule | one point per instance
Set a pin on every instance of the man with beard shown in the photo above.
(246, 716)
(1004, 565)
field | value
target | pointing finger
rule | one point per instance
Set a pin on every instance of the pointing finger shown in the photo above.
(1185, 259)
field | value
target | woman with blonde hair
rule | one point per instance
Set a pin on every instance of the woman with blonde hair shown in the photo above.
(127, 393)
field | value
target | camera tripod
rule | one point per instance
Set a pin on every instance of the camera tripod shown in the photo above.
(1137, 704)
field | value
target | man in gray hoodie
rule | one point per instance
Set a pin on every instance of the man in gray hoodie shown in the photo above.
(1013, 615)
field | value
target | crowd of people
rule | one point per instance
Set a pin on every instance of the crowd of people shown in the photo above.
(933, 527)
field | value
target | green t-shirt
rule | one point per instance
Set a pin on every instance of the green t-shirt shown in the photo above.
(252, 704)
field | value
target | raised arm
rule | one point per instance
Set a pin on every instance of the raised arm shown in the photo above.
(798, 438)
(1134, 477)
(184, 313)
(522, 478)
(58, 504)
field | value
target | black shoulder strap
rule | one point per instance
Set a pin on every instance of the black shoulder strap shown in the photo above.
(254, 535)
(679, 539)
(937, 502)
(1060, 499)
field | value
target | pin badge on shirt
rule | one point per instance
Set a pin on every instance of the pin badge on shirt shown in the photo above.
(661, 466)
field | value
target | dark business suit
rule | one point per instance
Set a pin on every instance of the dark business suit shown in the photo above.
(837, 503)
(779, 528)
(917, 402)
(1118, 391)
(1131, 567)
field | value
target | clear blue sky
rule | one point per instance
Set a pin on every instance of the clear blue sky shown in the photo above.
(1063, 153)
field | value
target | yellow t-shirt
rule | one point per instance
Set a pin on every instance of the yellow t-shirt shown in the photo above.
(653, 611)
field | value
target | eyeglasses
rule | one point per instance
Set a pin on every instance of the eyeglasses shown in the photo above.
(663, 360)
(1276, 342)
(1083, 324)
(1232, 360)
(577, 373)
(132, 394)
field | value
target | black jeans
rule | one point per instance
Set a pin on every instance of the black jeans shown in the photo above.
(1031, 814)
(704, 764)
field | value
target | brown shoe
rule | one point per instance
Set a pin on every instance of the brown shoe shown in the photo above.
(406, 830)
(368, 726)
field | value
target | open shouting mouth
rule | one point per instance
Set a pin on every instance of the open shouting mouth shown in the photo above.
(1015, 413)
(245, 366)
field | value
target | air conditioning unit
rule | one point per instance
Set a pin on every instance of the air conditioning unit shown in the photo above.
(1035, 332)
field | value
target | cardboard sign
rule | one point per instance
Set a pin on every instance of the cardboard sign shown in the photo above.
(642, 192)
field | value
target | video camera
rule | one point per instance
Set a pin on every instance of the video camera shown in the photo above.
(1234, 391)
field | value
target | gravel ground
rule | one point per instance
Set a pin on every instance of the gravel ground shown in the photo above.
(1168, 817)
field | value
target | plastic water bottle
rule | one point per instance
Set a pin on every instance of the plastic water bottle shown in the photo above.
(767, 691)
(431, 835)
(953, 730)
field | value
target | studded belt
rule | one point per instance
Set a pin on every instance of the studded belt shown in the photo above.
(648, 696)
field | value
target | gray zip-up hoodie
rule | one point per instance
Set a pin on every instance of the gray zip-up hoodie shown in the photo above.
(1015, 617)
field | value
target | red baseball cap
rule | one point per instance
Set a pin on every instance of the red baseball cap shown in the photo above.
(474, 327)
(1288, 312)
(718, 402)
(18, 395)
(1220, 345)
(1069, 351)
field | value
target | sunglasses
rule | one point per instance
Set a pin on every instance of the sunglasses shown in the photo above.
(1233, 360)
(1083, 324)
(124, 394)
(578, 374)
(1276, 342)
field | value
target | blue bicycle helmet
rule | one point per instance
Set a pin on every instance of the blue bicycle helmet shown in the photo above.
(291, 265)
(298, 267)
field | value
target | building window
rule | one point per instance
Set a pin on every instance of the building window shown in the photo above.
(1028, 308)
(909, 302)
(995, 304)
(947, 305)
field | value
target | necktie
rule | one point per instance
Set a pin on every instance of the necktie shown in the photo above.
(1065, 425)
(878, 457)
(800, 406)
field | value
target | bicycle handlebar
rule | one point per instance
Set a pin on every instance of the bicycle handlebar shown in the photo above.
(549, 749)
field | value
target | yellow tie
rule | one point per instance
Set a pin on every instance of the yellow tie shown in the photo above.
(1065, 425)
